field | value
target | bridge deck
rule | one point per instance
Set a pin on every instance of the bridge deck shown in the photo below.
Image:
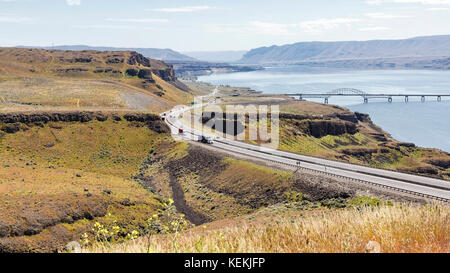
(366, 95)
(349, 92)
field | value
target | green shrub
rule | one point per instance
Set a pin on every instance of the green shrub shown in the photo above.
(293, 197)
(367, 201)
(338, 203)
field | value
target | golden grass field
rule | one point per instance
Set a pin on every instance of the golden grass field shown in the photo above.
(397, 229)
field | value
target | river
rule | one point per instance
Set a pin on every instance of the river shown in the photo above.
(425, 124)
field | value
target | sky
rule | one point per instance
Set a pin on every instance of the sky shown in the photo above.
(214, 25)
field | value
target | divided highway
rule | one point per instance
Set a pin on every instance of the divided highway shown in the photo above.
(413, 184)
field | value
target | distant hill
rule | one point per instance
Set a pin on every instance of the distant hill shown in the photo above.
(419, 47)
(198, 68)
(184, 65)
(153, 53)
(217, 56)
(96, 79)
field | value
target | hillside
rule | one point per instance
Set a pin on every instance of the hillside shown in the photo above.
(420, 47)
(61, 170)
(153, 53)
(87, 172)
(41, 79)
(194, 69)
(217, 56)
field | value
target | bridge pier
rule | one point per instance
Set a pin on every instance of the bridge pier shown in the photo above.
(366, 96)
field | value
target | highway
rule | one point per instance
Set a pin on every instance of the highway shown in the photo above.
(413, 184)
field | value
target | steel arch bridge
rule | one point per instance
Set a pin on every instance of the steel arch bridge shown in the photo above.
(347, 92)
(352, 92)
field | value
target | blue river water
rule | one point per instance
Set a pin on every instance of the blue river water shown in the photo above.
(425, 124)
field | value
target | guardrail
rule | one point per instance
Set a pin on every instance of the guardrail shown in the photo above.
(414, 193)
(447, 188)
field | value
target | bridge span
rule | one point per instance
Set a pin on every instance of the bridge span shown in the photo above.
(351, 92)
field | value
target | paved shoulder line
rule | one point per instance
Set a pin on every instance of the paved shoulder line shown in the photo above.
(425, 181)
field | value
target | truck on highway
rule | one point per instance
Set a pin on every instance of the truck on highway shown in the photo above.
(205, 140)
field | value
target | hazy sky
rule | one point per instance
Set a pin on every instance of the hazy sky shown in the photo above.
(192, 25)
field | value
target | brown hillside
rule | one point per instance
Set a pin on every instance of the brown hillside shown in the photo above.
(37, 78)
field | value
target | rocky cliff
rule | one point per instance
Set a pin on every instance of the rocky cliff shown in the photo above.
(14, 122)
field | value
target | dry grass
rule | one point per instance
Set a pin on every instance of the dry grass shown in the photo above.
(61, 93)
(85, 173)
(310, 108)
(397, 229)
(200, 89)
(47, 93)
(113, 148)
(33, 79)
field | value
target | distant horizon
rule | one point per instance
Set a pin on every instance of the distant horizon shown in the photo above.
(195, 51)
(216, 25)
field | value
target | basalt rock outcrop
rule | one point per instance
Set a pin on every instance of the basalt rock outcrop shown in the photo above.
(359, 151)
(153, 122)
(440, 162)
(14, 122)
(321, 128)
(138, 59)
(350, 117)
(30, 118)
(167, 74)
(145, 74)
(363, 117)
(315, 126)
